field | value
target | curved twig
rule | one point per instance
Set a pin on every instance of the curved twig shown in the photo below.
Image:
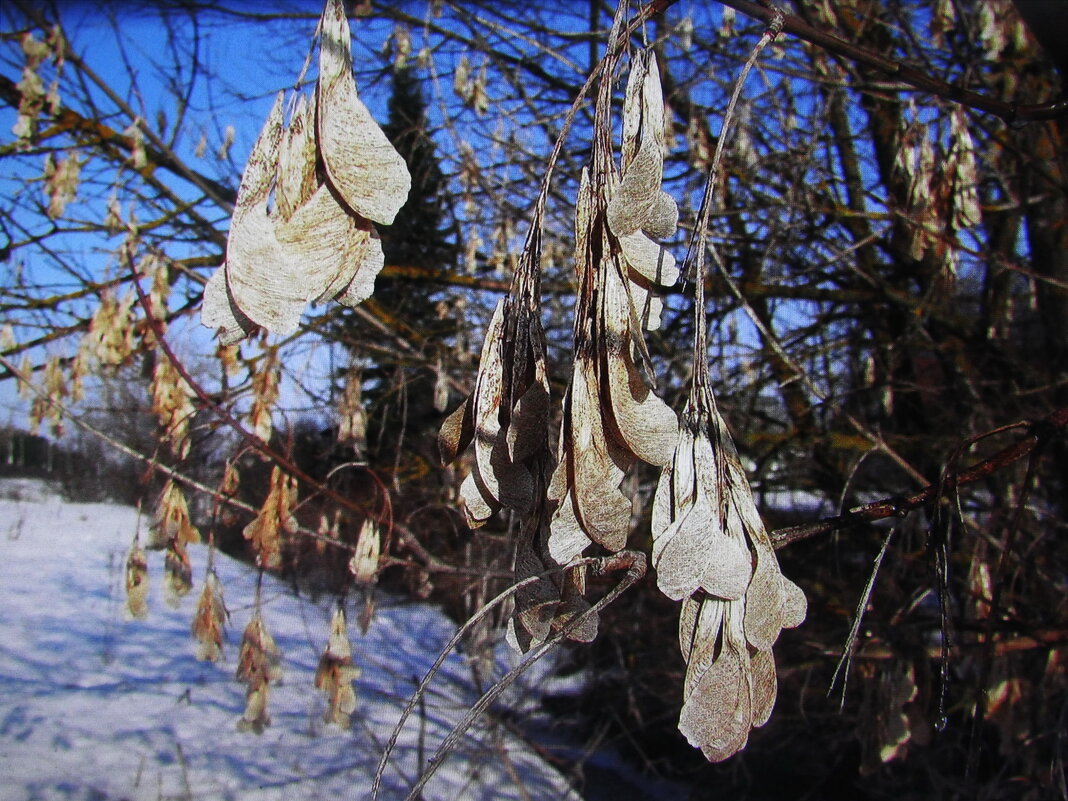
(633, 562)
(1038, 434)
(628, 560)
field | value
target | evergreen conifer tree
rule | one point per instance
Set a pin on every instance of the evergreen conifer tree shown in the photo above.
(399, 398)
(417, 237)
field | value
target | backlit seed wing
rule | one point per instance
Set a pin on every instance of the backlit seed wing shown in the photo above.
(691, 555)
(636, 195)
(364, 250)
(478, 507)
(568, 538)
(296, 161)
(367, 171)
(316, 243)
(507, 484)
(717, 711)
(632, 110)
(637, 202)
(262, 161)
(260, 281)
(535, 604)
(530, 417)
(220, 313)
(456, 433)
(650, 260)
(603, 510)
(764, 685)
(642, 421)
(663, 217)
(692, 549)
(230, 306)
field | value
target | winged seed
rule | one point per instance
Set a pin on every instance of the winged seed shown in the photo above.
(318, 240)
(362, 165)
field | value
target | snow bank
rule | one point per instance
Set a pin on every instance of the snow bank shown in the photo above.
(96, 707)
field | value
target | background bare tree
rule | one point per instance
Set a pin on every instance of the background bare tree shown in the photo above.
(887, 310)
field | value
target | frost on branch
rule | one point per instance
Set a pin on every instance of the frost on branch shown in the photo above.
(299, 235)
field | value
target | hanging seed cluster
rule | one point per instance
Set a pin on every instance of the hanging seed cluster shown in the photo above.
(336, 673)
(710, 551)
(303, 227)
(174, 530)
(275, 519)
(303, 230)
(258, 666)
(209, 622)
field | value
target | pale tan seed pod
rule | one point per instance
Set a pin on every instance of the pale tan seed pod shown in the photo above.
(61, 180)
(138, 158)
(352, 422)
(275, 520)
(209, 621)
(172, 403)
(364, 562)
(318, 241)
(136, 582)
(336, 673)
(612, 417)
(264, 395)
(258, 665)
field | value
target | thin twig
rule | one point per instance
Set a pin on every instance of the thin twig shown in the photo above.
(632, 561)
(910, 76)
(842, 668)
(600, 564)
(1038, 434)
(700, 236)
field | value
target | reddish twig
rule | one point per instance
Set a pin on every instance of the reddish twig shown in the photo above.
(1038, 434)
(286, 464)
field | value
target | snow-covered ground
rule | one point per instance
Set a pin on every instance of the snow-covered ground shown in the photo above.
(95, 707)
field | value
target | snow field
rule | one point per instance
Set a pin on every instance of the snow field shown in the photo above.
(94, 707)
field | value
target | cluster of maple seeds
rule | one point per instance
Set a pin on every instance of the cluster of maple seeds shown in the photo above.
(710, 548)
(302, 230)
(943, 199)
(34, 97)
(303, 225)
(259, 659)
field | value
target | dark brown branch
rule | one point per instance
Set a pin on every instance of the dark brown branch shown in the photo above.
(1009, 112)
(118, 146)
(714, 286)
(1004, 644)
(1038, 434)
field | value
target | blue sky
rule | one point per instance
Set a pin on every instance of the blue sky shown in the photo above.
(246, 63)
